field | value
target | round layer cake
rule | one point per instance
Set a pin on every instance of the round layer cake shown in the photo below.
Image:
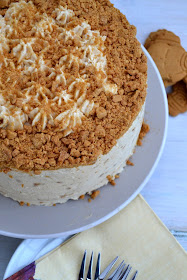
(72, 93)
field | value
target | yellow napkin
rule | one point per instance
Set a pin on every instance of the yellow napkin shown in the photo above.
(135, 235)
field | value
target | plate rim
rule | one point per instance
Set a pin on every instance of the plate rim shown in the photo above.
(125, 203)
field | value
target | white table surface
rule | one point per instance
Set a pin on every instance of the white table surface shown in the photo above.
(166, 192)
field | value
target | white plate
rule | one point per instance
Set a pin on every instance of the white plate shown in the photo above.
(28, 251)
(76, 216)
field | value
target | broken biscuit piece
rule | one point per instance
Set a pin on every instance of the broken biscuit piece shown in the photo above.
(177, 100)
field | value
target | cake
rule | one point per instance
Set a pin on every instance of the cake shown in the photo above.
(73, 86)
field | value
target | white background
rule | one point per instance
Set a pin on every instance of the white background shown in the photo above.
(166, 192)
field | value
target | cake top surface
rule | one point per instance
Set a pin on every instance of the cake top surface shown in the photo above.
(72, 80)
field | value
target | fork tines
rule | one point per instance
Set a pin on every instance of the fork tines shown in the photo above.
(89, 274)
(120, 273)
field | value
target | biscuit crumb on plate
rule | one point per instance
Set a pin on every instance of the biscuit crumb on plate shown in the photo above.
(130, 163)
(111, 180)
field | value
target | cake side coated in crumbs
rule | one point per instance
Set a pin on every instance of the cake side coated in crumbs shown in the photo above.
(35, 147)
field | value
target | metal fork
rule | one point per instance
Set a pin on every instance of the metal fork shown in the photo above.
(120, 273)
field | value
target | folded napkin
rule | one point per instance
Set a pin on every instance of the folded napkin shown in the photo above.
(135, 234)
